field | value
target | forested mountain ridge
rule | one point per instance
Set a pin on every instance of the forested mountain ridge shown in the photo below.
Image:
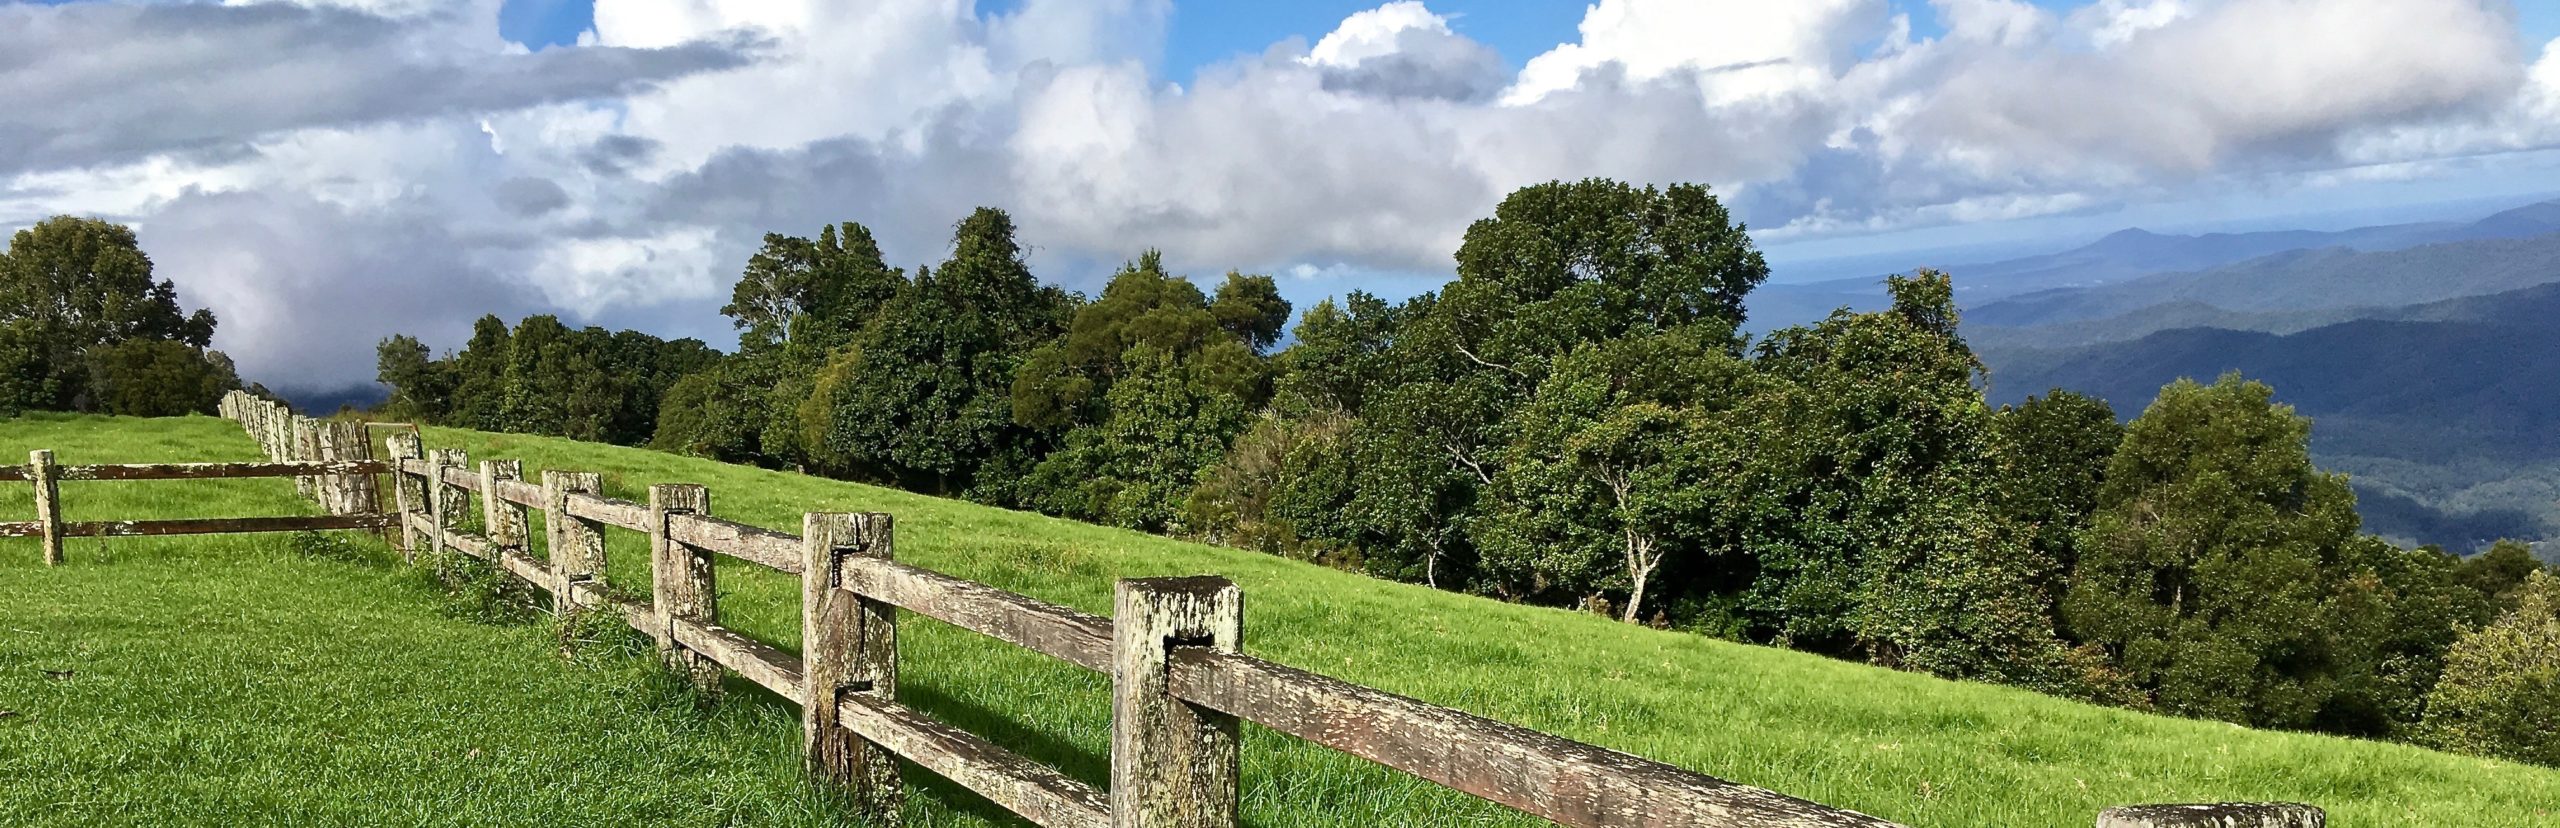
(2440, 411)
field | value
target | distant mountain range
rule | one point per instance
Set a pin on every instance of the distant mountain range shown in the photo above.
(2441, 412)
(2124, 271)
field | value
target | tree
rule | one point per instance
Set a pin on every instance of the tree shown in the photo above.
(2220, 562)
(479, 377)
(1339, 360)
(2050, 454)
(1617, 464)
(421, 390)
(1870, 510)
(2498, 573)
(714, 413)
(816, 294)
(157, 378)
(2500, 695)
(1250, 308)
(922, 396)
(68, 285)
(1147, 386)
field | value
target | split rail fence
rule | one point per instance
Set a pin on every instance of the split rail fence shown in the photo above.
(1173, 649)
(331, 462)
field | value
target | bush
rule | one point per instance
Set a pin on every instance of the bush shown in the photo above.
(2500, 694)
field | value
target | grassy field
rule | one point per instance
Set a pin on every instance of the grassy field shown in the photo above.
(197, 680)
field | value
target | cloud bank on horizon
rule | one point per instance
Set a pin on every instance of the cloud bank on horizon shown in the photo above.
(324, 173)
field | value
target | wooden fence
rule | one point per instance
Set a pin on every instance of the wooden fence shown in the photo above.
(331, 462)
(1180, 681)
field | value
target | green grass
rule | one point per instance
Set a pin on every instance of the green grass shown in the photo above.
(230, 679)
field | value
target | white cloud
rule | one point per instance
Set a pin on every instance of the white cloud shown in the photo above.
(623, 181)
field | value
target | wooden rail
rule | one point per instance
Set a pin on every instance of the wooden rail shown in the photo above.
(1181, 683)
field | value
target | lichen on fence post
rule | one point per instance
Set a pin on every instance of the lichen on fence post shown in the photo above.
(849, 644)
(446, 503)
(681, 582)
(359, 493)
(40, 471)
(1173, 764)
(2222, 815)
(408, 491)
(574, 544)
(306, 447)
(504, 522)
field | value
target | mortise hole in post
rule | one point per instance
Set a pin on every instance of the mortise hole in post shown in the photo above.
(1172, 641)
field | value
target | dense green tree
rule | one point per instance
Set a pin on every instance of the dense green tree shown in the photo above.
(2497, 574)
(479, 377)
(420, 389)
(1871, 514)
(923, 395)
(1282, 487)
(2219, 561)
(69, 285)
(1618, 463)
(716, 413)
(1250, 308)
(2051, 454)
(813, 294)
(157, 378)
(2500, 695)
(1136, 467)
(1339, 359)
(1148, 385)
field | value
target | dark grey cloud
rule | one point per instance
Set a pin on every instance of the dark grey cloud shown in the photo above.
(530, 197)
(303, 289)
(1427, 64)
(92, 83)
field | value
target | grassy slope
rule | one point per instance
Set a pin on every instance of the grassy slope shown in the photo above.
(1908, 747)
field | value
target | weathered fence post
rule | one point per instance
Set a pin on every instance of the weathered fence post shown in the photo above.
(849, 644)
(2225, 815)
(408, 491)
(40, 470)
(575, 544)
(306, 446)
(1173, 765)
(504, 522)
(446, 503)
(680, 581)
(331, 490)
(358, 493)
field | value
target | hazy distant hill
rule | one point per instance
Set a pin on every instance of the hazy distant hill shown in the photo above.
(2441, 411)
(2085, 282)
(2299, 281)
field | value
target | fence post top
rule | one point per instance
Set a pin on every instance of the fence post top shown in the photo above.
(1194, 586)
(40, 456)
(679, 496)
(504, 469)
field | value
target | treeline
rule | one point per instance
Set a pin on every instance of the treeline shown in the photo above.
(543, 377)
(1575, 421)
(85, 327)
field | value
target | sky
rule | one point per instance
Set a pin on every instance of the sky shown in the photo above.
(322, 173)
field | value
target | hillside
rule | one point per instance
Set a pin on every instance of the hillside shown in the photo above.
(354, 689)
(2437, 409)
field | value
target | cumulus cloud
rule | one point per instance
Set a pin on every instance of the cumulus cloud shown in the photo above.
(325, 173)
(92, 83)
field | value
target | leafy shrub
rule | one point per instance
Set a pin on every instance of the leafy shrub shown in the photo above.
(2500, 694)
